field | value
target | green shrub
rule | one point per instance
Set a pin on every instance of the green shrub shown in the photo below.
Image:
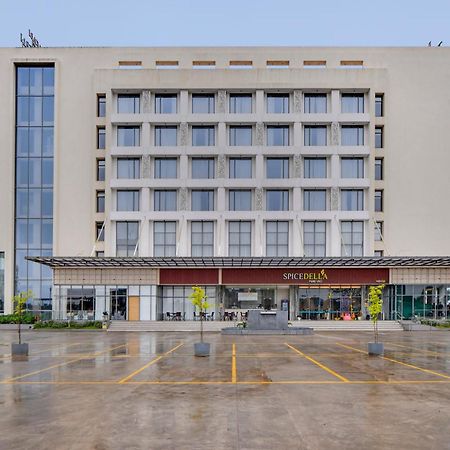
(90, 324)
(27, 318)
(436, 323)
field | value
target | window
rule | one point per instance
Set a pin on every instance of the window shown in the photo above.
(315, 135)
(277, 238)
(166, 136)
(277, 200)
(378, 137)
(240, 200)
(277, 135)
(240, 167)
(240, 103)
(127, 200)
(165, 103)
(315, 168)
(202, 239)
(128, 136)
(352, 167)
(100, 231)
(315, 103)
(101, 105)
(99, 254)
(240, 135)
(379, 107)
(164, 238)
(352, 234)
(127, 237)
(101, 138)
(352, 135)
(203, 168)
(203, 103)
(314, 238)
(239, 238)
(352, 200)
(277, 167)
(100, 170)
(379, 201)
(277, 103)
(128, 168)
(378, 253)
(100, 201)
(203, 136)
(165, 200)
(378, 231)
(352, 103)
(378, 168)
(165, 167)
(202, 200)
(128, 104)
(315, 200)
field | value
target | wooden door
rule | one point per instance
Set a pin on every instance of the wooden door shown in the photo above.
(133, 308)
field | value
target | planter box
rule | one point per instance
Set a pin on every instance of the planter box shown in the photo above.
(19, 351)
(201, 348)
(375, 348)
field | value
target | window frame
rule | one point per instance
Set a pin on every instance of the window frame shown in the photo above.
(242, 249)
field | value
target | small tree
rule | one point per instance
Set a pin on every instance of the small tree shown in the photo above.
(198, 299)
(20, 306)
(375, 306)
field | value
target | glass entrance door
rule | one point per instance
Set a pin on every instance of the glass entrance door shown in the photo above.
(118, 305)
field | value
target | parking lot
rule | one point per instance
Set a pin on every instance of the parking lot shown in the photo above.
(83, 390)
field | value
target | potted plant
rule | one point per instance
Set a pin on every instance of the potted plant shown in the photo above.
(198, 299)
(20, 350)
(375, 307)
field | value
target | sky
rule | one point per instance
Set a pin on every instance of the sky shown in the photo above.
(77, 23)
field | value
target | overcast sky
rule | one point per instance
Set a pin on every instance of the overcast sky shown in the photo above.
(227, 22)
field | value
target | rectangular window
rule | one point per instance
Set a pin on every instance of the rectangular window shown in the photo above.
(165, 103)
(352, 167)
(202, 200)
(241, 103)
(128, 104)
(164, 238)
(128, 168)
(240, 135)
(203, 136)
(378, 253)
(352, 135)
(352, 103)
(203, 168)
(314, 238)
(277, 167)
(101, 105)
(315, 103)
(379, 110)
(378, 168)
(277, 238)
(128, 200)
(277, 135)
(277, 103)
(240, 167)
(378, 137)
(240, 200)
(203, 103)
(99, 254)
(315, 168)
(165, 200)
(100, 170)
(100, 231)
(127, 238)
(202, 239)
(277, 200)
(352, 199)
(100, 201)
(101, 138)
(379, 201)
(239, 238)
(315, 135)
(128, 136)
(315, 200)
(352, 235)
(165, 167)
(166, 136)
(378, 231)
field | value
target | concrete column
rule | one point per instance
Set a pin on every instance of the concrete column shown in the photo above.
(183, 108)
(335, 107)
(259, 103)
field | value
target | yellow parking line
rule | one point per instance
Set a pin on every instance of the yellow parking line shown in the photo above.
(93, 355)
(233, 364)
(351, 348)
(153, 361)
(322, 366)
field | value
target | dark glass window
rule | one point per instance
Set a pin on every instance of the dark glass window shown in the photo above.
(100, 170)
(277, 200)
(165, 167)
(240, 200)
(127, 238)
(127, 200)
(277, 167)
(315, 135)
(166, 136)
(240, 167)
(165, 200)
(240, 135)
(378, 200)
(101, 105)
(165, 103)
(378, 168)
(128, 103)
(128, 168)
(101, 138)
(203, 168)
(202, 200)
(378, 137)
(203, 135)
(241, 103)
(379, 106)
(315, 168)
(164, 238)
(315, 200)
(315, 103)
(203, 103)
(100, 231)
(277, 135)
(128, 136)
(100, 201)
(352, 167)
(352, 103)
(277, 103)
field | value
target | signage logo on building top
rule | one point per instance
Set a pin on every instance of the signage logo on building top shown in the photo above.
(311, 277)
